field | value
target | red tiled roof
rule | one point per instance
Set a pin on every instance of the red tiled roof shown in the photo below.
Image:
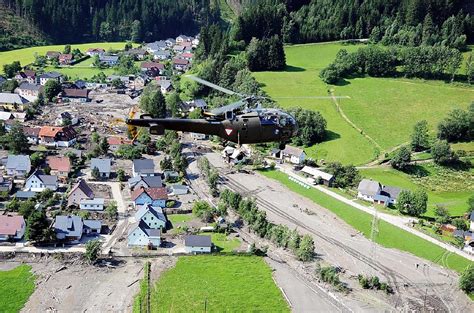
(95, 50)
(49, 131)
(118, 141)
(156, 193)
(150, 65)
(9, 225)
(65, 133)
(187, 55)
(180, 61)
(61, 164)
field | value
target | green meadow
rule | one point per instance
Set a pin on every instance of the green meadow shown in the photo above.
(27, 55)
(212, 283)
(384, 108)
(16, 286)
(388, 236)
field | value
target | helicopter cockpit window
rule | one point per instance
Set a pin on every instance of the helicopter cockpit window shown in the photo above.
(283, 121)
(268, 119)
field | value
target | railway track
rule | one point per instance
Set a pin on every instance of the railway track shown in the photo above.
(395, 279)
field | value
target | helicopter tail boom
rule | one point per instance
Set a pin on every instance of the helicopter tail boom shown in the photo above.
(158, 125)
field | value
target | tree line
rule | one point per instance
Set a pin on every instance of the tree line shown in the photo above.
(430, 62)
(115, 20)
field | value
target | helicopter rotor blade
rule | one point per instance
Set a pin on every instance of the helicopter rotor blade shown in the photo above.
(214, 86)
(230, 107)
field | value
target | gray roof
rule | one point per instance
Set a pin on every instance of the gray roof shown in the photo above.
(179, 186)
(381, 198)
(153, 181)
(161, 44)
(12, 98)
(28, 86)
(294, 151)
(369, 187)
(391, 191)
(197, 241)
(152, 232)
(25, 194)
(144, 227)
(471, 217)
(157, 212)
(144, 166)
(99, 201)
(46, 179)
(19, 162)
(71, 226)
(93, 224)
(50, 75)
(84, 187)
(163, 53)
(104, 165)
(113, 58)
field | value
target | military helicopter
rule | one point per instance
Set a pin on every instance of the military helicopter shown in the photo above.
(241, 122)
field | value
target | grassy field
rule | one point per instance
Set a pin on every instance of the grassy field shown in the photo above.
(219, 283)
(27, 55)
(16, 286)
(224, 243)
(388, 236)
(179, 218)
(455, 199)
(386, 109)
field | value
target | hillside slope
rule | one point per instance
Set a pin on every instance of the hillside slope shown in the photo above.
(17, 32)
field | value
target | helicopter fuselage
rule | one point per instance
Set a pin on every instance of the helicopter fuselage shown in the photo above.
(246, 128)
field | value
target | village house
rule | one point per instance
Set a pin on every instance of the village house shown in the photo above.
(319, 176)
(95, 204)
(29, 91)
(154, 68)
(6, 184)
(75, 95)
(170, 42)
(65, 59)
(103, 165)
(161, 55)
(52, 55)
(189, 106)
(2, 80)
(109, 60)
(136, 53)
(180, 64)
(293, 155)
(391, 193)
(91, 227)
(18, 165)
(140, 81)
(187, 56)
(140, 235)
(65, 119)
(195, 42)
(38, 182)
(179, 49)
(24, 195)
(12, 101)
(68, 227)
(177, 190)
(368, 189)
(195, 244)
(54, 136)
(155, 196)
(12, 227)
(153, 47)
(152, 216)
(44, 78)
(145, 182)
(32, 134)
(115, 142)
(143, 167)
(60, 166)
(80, 191)
(170, 175)
(27, 75)
(183, 38)
(95, 51)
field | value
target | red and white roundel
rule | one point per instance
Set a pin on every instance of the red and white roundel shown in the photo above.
(228, 131)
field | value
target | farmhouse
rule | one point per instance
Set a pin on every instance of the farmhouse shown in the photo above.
(79, 192)
(68, 227)
(391, 193)
(368, 189)
(96, 204)
(39, 182)
(153, 217)
(12, 101)
(57, 136)
(75, 95)
(103, 165)
(293, 155)
(18, 165)
(50, 76)
(145, 182)
(59, 165)
(143, 167)
(110, 60)
(12, 227)
(140, 235)
(95, 51)
(115, 142)
(52, 54)
(155, 196)
(65, 59)
(197, 244)
(318, 175)
(29, 91)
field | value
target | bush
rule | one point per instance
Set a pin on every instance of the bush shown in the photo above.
(466, 281)
(170, 203)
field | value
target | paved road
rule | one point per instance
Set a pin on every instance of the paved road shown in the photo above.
(301, 296)
(398, 221)
(19, 248)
